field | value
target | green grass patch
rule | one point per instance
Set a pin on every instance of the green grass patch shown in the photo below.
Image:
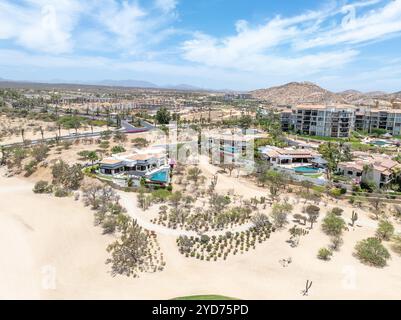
(205, 297)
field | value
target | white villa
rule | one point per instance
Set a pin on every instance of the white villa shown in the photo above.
(378, 168)
(151, 163)
(291, 157)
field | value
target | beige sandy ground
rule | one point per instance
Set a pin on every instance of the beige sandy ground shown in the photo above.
(51, 250)
(32, 132)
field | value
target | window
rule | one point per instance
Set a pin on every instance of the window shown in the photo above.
(350, 173)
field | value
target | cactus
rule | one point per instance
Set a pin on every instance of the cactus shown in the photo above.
(354, 218)
(307, 287)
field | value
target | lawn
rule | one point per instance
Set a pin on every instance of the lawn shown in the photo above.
(205, 297)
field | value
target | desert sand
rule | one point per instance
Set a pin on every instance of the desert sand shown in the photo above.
(51, 250)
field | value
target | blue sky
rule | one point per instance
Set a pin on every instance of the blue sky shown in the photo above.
(215, 44)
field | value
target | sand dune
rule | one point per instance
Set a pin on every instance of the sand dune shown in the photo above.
(51, 250)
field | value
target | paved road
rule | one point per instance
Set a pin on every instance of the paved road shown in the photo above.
(126, 128)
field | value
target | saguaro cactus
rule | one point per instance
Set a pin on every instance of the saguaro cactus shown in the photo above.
(354, 218)
(307, 287)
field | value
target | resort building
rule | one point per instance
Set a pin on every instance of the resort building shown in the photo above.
(321, 120)
(389, 120)
(380, 169)
(151, 164)
(339, 120)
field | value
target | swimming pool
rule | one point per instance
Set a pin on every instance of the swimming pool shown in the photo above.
(306, 170)
(380, 143)
(160, 176)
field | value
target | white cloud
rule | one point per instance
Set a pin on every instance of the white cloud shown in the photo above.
(166, 5)
(55, 26)
(259, 49)
(278, 46)
(39, 24)
(374, 25)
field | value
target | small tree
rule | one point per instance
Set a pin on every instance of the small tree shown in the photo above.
(279, 214)
(313, 213)
(194, 174)
(336, 242)
(276, 181)
(260, 220)
(372, 252)
(40, 152)
(92, 157)
(333, 225)
(131, 252)
(385, 230)
(163, 116)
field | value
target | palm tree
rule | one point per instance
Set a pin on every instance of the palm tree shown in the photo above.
(92, 156)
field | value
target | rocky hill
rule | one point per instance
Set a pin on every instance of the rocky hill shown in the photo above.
(307, 92)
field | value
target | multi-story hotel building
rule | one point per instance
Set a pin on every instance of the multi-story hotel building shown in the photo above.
(389, 120)
(339, 120)
(319, 120)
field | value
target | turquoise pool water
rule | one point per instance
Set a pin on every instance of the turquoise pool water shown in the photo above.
(161, 176)
(379, 143)
(306, 170)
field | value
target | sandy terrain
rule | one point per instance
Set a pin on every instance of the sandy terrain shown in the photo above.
(32, 131)
(51, 250)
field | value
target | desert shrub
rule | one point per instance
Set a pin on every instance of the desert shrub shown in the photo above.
(371, 251)
(336, 192)
(337, 211)
(385, 230)
(61, 193)
(333, 225)
(42, 187)
(117, 149)
(396, 244)
(109, 225)
(30, 168)
(205, 238)
(324, 254)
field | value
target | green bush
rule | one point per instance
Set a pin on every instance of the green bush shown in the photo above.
(385, 230)
(30, 168)
(333, 225)
(42, 187)
(371, 251)
(117, 149)
(336, 192)
(324, 254)
(61, 193)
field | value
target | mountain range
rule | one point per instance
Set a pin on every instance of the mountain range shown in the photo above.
(287, 94)
(109, 83)
(308, 92)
